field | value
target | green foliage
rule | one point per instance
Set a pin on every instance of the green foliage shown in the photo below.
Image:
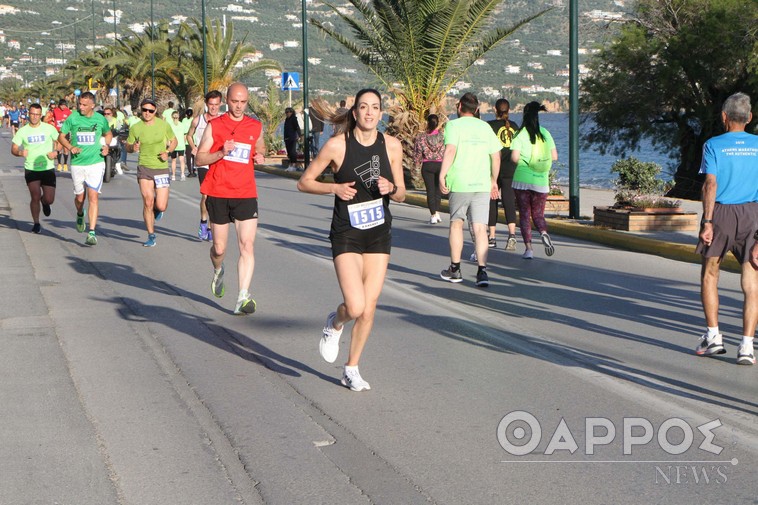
(666, 75)
(270, 111)
(638, 184)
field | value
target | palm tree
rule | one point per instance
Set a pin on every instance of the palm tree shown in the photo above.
(419, 49)
(224, 57)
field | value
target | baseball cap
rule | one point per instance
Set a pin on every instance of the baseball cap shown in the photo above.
(148, 101)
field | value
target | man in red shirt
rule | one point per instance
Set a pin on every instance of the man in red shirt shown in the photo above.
(229, 146)
(60, 114)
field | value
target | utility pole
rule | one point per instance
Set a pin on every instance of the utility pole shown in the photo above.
(115, 41)
(152, 50)
(574, 212)
(306, 104)
(205, 59)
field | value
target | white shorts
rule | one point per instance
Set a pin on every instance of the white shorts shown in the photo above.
(87, 175)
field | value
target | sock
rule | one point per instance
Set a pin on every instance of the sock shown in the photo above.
(243, 294)
(454, 267)
(481, 268)
(203, 221)
(351, 368)
(713, 331)
(747, 342)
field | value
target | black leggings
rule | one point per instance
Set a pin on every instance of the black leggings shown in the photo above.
(430, 171)
(508, 197)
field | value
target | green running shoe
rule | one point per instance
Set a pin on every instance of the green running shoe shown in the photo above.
(91, 238)
(217, 285)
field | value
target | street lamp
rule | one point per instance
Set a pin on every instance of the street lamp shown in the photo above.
(205, 59)
(115, 41)
(152, 51)
(306, 104)
(574, 211)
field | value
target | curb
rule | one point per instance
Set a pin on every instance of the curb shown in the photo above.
(582, 230)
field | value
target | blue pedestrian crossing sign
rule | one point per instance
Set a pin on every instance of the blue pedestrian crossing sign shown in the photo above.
(290, 81)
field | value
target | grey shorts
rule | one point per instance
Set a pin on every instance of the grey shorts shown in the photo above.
(733, 229)
(475, 206)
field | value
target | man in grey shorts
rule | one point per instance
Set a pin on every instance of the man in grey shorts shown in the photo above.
(470, 167)
(730, 221)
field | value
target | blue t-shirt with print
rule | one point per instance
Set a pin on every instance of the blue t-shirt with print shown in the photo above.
(733, 159)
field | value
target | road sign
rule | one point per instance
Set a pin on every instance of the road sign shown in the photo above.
(290, 81)
(113, 92)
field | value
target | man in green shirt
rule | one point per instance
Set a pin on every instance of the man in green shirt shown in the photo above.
(154, 140)
(470, 167)
(36, 143)
(89, 138)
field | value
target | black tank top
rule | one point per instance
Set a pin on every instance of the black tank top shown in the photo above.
(364, 165)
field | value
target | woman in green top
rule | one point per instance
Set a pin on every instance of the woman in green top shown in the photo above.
(533, 149)
(180, 131)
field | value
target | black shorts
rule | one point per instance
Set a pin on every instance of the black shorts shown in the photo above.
(227, 210)
(201, 171)
(46, 176)
(361, 242)
(175, 154)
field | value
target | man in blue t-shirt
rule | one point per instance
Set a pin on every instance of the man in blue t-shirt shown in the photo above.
(730, 221)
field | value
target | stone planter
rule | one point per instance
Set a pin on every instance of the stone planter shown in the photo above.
(663, 219)
(276, 160)
(556, 204)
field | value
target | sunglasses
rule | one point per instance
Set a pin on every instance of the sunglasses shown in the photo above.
(151, 111)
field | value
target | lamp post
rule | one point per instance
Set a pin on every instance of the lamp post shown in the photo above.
(205, 58)
(152, 51)
(306, 104)
(574, 211)
(93, 26)
(115, 41)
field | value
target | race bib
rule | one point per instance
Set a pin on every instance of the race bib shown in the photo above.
(35, 139)
(367, 214)
(85, 138)
(240, 154)
(162, 181)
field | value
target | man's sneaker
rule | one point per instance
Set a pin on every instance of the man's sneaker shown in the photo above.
(183, 178)
(482, 280)
(36, 228)
(329, 345)
(451, 276)
(173, 177)
(528, 254)
(91, 238)
(245, 306)
(511, 244)
(209, 236)
(202, 230)
(150, 242)
(351, 378)
(492, 242)
(745, 355)
(80, 222)
(549, 248)
(217, 284)
(158, 214)
(710, 346)
(46, 209)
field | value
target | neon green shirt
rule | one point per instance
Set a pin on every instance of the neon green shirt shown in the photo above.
(86, 133)
(179, 132)
(535, 161)
(152, 141)
(474, 140)
(38, 141)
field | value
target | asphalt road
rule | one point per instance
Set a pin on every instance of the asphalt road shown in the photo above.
(125, 381)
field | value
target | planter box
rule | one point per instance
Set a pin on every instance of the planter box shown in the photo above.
(641, 220)
(276, 159)
(556, 204)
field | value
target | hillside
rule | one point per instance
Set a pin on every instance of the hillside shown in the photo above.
(39, 35)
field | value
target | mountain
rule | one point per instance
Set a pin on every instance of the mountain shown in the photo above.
(37, 36)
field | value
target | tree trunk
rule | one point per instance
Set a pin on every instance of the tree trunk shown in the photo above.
(688, 182)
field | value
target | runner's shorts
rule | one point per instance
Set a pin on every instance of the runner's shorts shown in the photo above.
(474, 205)
(46, 176)
(160, 176)
(227, 210)
(733, 229)
(87, 175)
(361, 241)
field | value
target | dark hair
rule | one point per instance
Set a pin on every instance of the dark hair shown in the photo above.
(345, 123)
(35, 106)
(63, 101)
(88, 95)
(502, 108)
(213, 94)
(188, 113)
(170, 103)
(289, 109)
(469, 103)
(342, 103)
(432, 121)
(531, 121)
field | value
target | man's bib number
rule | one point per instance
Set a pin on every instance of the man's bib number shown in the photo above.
(367, 214)
(85, 138)
(240, 154)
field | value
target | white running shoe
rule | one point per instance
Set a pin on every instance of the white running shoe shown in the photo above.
(351, 378)
(529, 254)
(711, 346)
(329, 345)
(745, 355)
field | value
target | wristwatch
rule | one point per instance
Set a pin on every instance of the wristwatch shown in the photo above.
(706, 221)
(394, 190)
